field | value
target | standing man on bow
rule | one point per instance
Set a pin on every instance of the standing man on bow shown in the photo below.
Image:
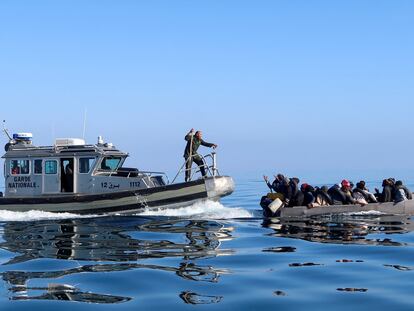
(190, 153)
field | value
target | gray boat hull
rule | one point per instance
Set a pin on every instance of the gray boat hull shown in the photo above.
(163, 197)
(390, 208)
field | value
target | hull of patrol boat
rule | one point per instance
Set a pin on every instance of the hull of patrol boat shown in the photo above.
(163, 197)
(389, 208)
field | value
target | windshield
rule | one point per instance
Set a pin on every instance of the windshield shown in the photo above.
(110, 163)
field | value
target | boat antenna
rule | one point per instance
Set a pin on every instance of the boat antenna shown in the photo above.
(6, 131)
(53, 131)
(84, 123)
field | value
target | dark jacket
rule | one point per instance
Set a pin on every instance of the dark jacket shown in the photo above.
(386, 195)
(340, 197)
(280, 186)
(196, 143)
(402, 193)
(308, 198)
(408, 193)
(291, 190)
(275, 185)
(324, 195)
(297, 200)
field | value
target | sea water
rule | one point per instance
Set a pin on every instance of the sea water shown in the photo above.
(209, 256)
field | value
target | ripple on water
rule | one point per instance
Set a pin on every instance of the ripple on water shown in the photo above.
(280, 249)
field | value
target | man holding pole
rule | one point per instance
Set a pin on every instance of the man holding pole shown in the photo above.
(190, 153)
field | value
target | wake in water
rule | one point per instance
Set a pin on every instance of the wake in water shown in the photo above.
(201, 210)
(37, 215)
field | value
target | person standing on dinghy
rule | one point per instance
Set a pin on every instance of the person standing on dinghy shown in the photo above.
(190, 153)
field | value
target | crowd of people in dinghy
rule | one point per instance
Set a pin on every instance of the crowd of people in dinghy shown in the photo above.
(291, 194)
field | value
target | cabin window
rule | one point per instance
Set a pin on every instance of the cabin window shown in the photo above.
(85, 164)
(51, 167)
(38, 167)
(20, 167)
(110, 163)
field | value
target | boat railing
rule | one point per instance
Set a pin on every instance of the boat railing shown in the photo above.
(211, 169)
(151, 173)
(135, 174)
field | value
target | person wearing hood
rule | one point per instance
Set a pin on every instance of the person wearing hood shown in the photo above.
(387, 190)
(296, 195)
(362, 194)
(359, 194)
(322, 196)
(279, 185)
(308, 195)
(341, 195)
(291, 190)
(401, 192)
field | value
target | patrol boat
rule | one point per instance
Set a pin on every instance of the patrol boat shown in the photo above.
(74, 177)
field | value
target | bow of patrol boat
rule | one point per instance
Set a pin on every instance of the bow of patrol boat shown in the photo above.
(219, 186)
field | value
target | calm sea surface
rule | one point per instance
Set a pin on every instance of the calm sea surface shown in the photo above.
(210, 257)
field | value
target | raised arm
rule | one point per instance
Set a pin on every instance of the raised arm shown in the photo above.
(188, 136)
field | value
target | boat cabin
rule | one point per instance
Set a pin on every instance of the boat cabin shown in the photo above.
(69, 167)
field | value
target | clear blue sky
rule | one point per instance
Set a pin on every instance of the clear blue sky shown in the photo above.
(292, 86)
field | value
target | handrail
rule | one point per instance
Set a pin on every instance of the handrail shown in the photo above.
(138, 173)
(210, 169)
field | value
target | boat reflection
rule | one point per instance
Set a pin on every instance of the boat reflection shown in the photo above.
(124, 242)
(115, 239)
(342, 229)
(66, 293)
(197, 299)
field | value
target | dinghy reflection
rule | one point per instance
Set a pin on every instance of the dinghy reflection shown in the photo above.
(123, 241)
(342, 230)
